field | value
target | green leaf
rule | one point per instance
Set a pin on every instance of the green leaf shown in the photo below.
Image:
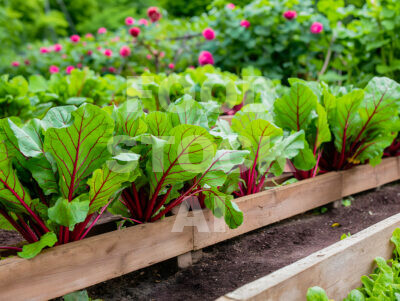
(33, 249)
(58, 117)
(316, 294)
(103, 185)
(396, 239)
(77, 296)
(296, 110)
(68, 214)
(355, 295)
(80, 148)
(188, 111)
(158, 124)
(37, 83)
(188, 152)
(129, 118)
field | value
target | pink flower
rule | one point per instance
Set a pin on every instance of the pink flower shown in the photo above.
(27, 62)
(89, 36)
(44, 50)
(205, 58)
(108, 52)
(230, 5)
(316, 28)
(290, 14)
(102, 30)
(192, 67)
(134, 31)
(54, 69)
(149, 56)
(143, 22)
(75, 38)
(69, 69)
(154, 14)
(64, 56)
(245, 23)
(79, 65)
(115, 39)
(57, 47)
(15, 64)
(112, 69)
(171, 66)
(209, 34)
(125, 51)
(129, 21)
(89, 52)
(162, 54)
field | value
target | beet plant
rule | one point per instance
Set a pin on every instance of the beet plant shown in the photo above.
(55, 175)
(300, 110)
(268, 146)
(363, 123)
(179, 160)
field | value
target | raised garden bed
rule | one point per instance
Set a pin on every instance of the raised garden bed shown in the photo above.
(338, 268)
(74, 266)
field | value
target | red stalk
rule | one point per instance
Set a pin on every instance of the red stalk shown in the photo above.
(11, 248)
(34, 216)
(17, 226)
(137, 201)
(95, 220)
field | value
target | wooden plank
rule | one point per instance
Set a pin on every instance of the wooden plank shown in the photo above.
(357, 179)
(77, 265)
(387, 171)
(268, 207)
(337, 268)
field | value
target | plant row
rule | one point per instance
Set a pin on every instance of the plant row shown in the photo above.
(311, 39)
(60, 173)
(34, 96)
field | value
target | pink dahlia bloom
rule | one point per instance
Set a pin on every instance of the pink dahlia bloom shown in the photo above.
(44, 50)
(89, 52)
(15, 64)
(102, 30)
(27, 62)
(108, 52)
(112, 69)
(192, 67)
(230, 5)
(89, 36)
(134, 31)
(57, 47)
(149, 56)
(245, 23)
(54, 69)
(171, 66)
(162, 54)
(143, 22)
(154, 14)
(290, 14)
(129, 21)
(316, 28)
(69, 69)
(209, 34)
(75, 38)
(64, 56)
(125, 51)
(205, 58)
(79, 65)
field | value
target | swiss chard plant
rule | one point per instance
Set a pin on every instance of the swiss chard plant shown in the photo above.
(179, 160)
(268, 148)
(363, 123)
(300, 110)
(56, 175)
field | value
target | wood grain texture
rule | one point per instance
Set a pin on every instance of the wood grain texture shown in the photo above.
(268, 207)
(77, 265)
(337, 268)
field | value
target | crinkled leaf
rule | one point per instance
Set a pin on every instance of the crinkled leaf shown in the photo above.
(316, 294)
(33, 249)
(68, 214)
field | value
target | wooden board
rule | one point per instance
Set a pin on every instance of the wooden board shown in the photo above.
(337, 268)
(268, 207)
(77, 265)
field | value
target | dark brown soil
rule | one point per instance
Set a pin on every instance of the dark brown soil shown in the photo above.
(233, 263)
